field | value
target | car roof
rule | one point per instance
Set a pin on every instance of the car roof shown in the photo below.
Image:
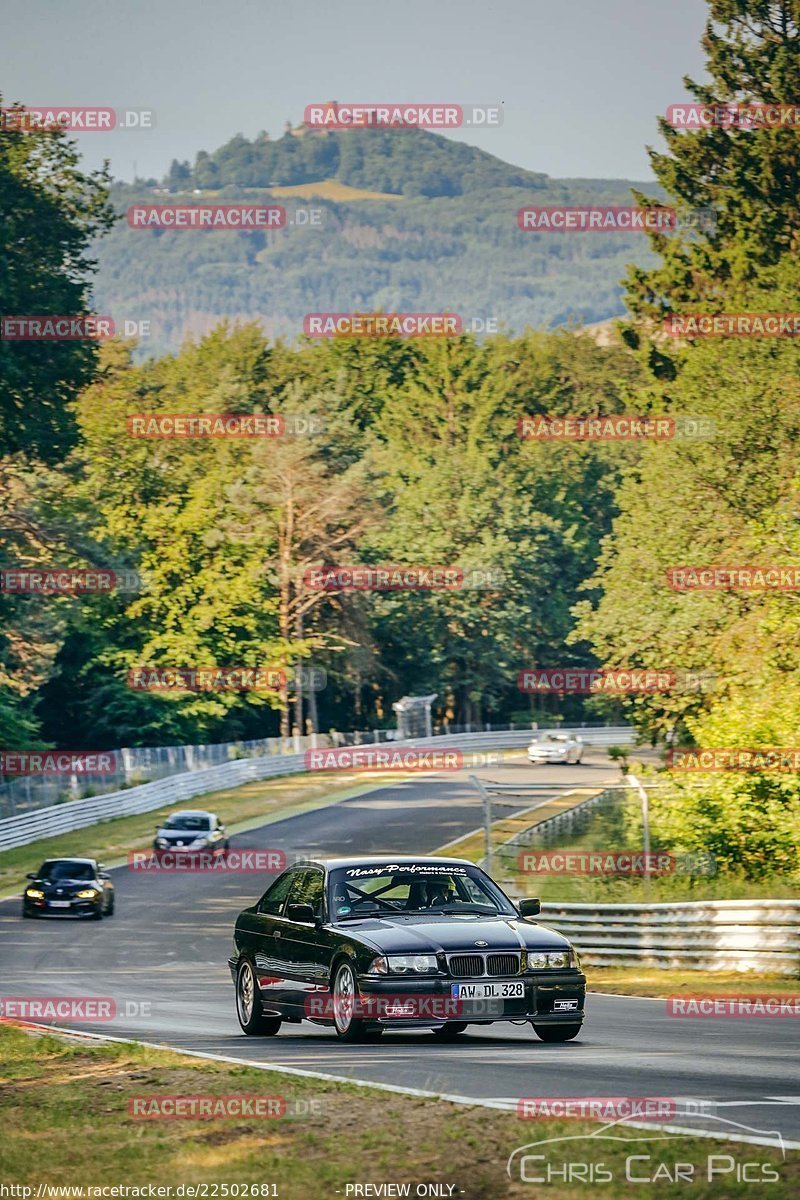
(382, 860)
(191, 812)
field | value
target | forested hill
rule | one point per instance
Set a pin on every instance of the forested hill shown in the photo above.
(408, 221)
(406, 162)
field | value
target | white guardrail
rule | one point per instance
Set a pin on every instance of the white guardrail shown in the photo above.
(705, 935)
(177, 789)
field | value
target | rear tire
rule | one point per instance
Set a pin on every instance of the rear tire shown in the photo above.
(449, 1032)
(556, 1033)
(248, 1004)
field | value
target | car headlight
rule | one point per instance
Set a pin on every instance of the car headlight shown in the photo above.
(34, 894)
(378, 966)
(554, 959)
(200, 842)
(87, 894)
(561, 959)
(161, 843)
(413, 964)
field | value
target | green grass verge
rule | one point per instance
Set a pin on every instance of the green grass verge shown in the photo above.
(655, 981)
(64, 1113)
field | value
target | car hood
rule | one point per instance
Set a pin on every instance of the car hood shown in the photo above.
(51, 885)
(186, 836)
(422, 934)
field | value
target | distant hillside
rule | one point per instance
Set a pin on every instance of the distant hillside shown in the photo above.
(440, 234)
(406, 162)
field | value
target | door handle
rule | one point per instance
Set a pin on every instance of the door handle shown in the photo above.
(277, 934)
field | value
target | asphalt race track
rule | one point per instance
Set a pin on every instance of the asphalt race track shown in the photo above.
(163, 959)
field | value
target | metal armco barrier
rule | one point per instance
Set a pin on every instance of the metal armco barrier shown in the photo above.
(176, 789)
(707, 935)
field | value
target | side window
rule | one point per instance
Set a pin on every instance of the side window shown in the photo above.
(308, 889)
(271, 902)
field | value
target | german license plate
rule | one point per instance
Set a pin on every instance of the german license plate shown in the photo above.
(489, 991)
(59, 904)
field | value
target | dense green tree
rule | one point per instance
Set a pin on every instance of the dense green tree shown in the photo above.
(51, 211)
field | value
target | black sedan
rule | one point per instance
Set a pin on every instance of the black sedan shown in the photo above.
(77, 887)
(363, 945)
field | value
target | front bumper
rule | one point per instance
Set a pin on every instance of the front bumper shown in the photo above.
(418, 1002)
(76, 908)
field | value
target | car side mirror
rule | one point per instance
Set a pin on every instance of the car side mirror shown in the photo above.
(303, 914)
(530, 908)
(103, 875)
(31, 875)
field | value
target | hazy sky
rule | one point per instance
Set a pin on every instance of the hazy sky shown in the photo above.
(581, 80)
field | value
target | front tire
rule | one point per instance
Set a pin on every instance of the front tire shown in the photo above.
(248, 1004)
(349, 1027)
(556, 1033)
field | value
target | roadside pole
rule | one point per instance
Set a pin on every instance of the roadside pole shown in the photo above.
(634, 782)
(487, 822)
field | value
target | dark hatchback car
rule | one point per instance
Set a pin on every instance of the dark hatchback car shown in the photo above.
(367, 944)
(77, 887)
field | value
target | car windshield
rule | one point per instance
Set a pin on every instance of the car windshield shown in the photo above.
(381, 890)
(188, 821)
(66, 869)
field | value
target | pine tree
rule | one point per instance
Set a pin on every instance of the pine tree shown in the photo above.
(749, 177)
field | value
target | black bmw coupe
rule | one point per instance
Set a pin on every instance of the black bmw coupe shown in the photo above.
(367, 944)
(77, 887)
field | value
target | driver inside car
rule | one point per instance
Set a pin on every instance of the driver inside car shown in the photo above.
(438, 893)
